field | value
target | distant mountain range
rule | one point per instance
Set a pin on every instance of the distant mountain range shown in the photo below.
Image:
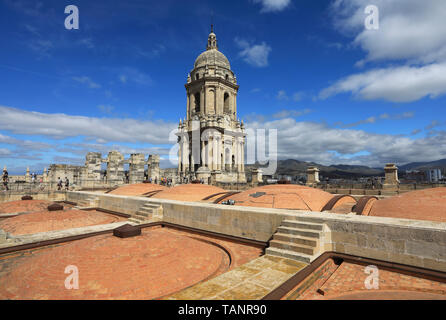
(438, 164)
(293, 167)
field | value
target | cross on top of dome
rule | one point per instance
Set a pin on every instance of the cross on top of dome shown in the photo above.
(212, 40)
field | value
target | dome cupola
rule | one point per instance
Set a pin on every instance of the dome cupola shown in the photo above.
(212, 57)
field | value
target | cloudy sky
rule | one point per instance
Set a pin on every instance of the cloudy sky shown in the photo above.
(335, 91)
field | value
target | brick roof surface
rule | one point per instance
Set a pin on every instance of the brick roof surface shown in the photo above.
(428, 204)
(137, 189)
(348, 282)
(158, 263)
(24, 206)
(283, 196)
(188, 192)
(45, 221)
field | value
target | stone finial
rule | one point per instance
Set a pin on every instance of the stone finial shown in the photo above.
(312, 176)
(391, 176)
(212, 41)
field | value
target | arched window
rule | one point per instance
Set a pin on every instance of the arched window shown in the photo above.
(227, 77)
(197, 76)
(197, 102)
(226, 108)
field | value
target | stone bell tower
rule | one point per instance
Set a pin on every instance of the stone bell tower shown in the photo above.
(211, 138)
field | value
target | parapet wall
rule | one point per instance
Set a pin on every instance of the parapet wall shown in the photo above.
(47, 195)
(410, 242)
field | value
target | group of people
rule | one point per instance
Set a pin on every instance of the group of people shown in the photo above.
(5, 178)
(60, 183)
(164, 182)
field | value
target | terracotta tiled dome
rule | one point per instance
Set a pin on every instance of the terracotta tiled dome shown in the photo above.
(44, 221)
(188, 192)
(283, 196)
(24, 206)
(429, 204)
(137, 189)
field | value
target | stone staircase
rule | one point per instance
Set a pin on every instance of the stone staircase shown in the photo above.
(147, 212)
(297, 239)
(90, 201)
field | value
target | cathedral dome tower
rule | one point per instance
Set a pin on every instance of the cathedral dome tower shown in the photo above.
(212, 106)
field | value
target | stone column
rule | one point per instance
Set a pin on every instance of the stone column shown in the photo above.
(186, 157)
(219, 160)
(209, 160)
(136, 168)
(391, 177)
(154, 167)
(256, 176)
(27, 175)
(215, 160)
(312, 176)
(223, 160)
(239, 156)
(180, 146)
(202, 102)
(242, 147)
(231, 152)
(203, 154)
(192, 163)
(93, 161)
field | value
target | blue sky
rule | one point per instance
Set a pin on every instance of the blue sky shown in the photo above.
(336, 92)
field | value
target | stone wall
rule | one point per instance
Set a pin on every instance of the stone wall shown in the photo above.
(46, 195)
(411, 242)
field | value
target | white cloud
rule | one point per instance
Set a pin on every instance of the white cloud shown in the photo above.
(281, 95)
(297, 96)
(87, 42)
(86, 80)
(290, 113)
(411, 33)
(41, 47)
(106, 108)
(130, 74)
(254, 54)
(374, 119)
(408, 29)
(60, 126)
(396, 84)
(273, 5)
(320, 143)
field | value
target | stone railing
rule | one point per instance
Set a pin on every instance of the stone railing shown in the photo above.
(411, 242)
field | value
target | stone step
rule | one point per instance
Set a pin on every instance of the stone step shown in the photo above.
(151, 206)
(305, 219)
(144, 214)
(302, 225)
(300, 248)
(299, 232)
(302, 257)
(146, 210)
(286, 237)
